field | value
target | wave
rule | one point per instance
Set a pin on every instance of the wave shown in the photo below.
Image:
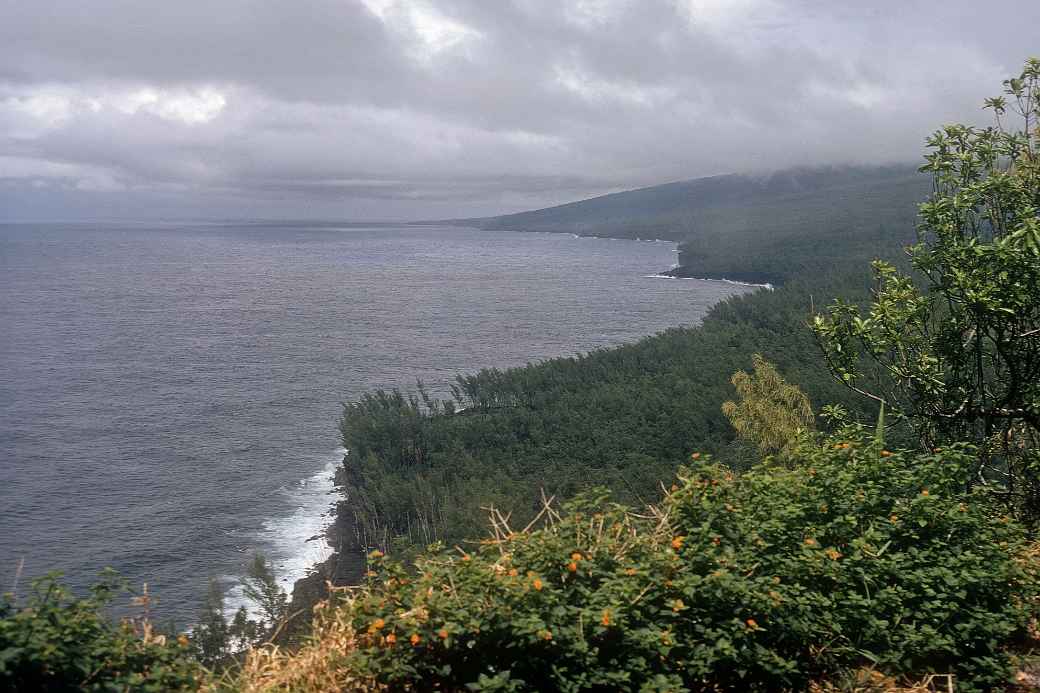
(295, 543)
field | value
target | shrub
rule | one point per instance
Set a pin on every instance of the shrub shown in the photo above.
(761, 581)
(57, 642)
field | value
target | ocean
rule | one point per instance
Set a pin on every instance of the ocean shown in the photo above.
(170, 393)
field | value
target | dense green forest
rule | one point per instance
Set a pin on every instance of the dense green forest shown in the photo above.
(421, 471)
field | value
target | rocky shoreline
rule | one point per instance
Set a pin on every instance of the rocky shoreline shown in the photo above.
(346, 565)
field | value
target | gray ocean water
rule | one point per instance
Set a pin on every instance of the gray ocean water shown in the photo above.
(169, 394)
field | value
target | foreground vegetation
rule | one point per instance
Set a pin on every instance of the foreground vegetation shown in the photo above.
(806, 550)
(847, 556)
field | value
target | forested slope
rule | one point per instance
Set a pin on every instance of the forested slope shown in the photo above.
(625, 418)
(751, 228)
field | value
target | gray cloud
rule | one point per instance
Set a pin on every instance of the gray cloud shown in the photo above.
(395, 109)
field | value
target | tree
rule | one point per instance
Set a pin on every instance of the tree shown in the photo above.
(261, 586)
(771, 412)
(954, 349)
(211, 636)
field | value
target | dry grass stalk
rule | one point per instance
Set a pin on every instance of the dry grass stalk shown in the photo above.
(316, 667)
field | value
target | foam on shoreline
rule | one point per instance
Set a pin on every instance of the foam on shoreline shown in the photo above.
(767, 285)
(296, 542)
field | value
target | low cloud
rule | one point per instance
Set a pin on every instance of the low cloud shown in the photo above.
(392, 109)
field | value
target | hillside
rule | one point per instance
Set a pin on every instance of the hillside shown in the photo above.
(751, 228)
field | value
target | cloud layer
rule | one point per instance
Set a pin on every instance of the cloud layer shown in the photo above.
(419, 109)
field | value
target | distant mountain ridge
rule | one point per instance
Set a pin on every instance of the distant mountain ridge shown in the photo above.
(828, 214)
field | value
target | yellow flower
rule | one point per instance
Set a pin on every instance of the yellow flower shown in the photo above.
(678, 605)
(182, 640)
(376, 554)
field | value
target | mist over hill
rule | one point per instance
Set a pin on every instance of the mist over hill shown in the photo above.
(795, 220)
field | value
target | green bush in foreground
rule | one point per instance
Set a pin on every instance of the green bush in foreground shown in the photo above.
(57, 642)
(759, 581)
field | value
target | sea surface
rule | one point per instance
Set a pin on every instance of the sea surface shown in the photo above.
(169, 393)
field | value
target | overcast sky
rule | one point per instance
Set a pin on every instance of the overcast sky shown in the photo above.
(394, 109)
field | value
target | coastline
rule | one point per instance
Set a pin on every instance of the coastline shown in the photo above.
(346, 564)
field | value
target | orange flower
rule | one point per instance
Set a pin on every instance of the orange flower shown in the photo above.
(809, 541)
(716, 541)
(512, 572)
(576, 556)
(182, 640)
(537, 584)
(695, 456)
(677, 542)
(631, 571)
(378, 624)
(833, 554)
(776, 579)
(391, 639)
(546, 635)
(894, 519)
(465, 557)
(376, 554)
(886, 453)
(572, 566)
(752, 624)
(924, 492)
(442, 634)
(415, 639)
(606, 617)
